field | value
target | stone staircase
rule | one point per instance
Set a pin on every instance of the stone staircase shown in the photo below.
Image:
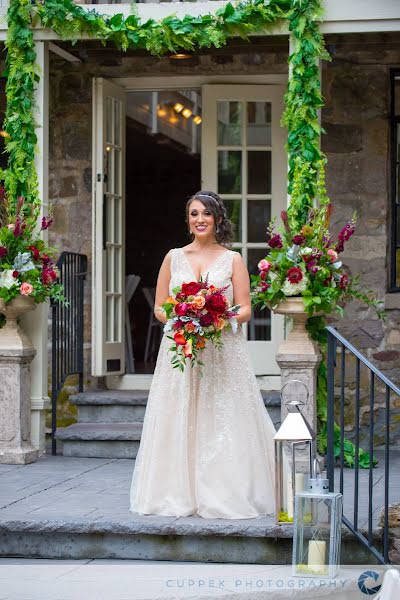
(110, 423)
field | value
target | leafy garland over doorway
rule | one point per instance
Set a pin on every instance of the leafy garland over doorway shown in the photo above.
(303, 98)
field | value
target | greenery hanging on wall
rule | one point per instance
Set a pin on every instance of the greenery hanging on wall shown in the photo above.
(173, 34)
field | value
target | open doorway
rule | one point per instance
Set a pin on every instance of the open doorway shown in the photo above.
(163, 168)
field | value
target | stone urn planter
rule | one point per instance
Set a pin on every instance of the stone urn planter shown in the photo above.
(298, 357)
(298, 340)
(16, 354)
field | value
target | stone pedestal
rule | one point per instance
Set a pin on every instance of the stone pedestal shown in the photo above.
(16, 354)
(298, 358)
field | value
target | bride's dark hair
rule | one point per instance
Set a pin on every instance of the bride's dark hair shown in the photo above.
(224, 231)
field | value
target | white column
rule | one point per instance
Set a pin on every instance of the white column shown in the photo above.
(36, 323)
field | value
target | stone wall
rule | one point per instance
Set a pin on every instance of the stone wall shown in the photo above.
(356, 86)
(356, 90)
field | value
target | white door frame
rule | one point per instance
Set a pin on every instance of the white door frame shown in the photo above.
(139, 84)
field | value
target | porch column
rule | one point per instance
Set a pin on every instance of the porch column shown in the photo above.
(35, 323)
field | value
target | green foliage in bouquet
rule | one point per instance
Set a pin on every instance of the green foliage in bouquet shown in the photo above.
(26, 263)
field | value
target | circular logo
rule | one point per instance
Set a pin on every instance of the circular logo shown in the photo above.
(366, 583)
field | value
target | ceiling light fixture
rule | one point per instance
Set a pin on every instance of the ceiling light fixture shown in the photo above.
(186, 113)
(197, 119)
(178, 107)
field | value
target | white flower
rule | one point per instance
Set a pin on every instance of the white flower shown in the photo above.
(272, 276)
(7, 280)
(306, 250)
(294, 289)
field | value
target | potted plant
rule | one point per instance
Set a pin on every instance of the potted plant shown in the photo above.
(28, 275)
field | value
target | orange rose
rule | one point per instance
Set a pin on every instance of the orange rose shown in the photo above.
(220, 324)
(187, 350)
(190, 327)
(198, 302)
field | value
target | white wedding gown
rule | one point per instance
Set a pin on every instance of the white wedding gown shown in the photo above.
(207, 443)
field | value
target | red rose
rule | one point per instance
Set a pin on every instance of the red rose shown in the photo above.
(179, 339)
(35, 252)
(295, 275)
(48, 276)
(178, 325)
(216, 303)
(344, 281)
(181, 309)
(15, 274)
(3, 251)
(191, 289)
(275, 241)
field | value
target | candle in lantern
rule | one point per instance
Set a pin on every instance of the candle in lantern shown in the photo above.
(316, 555)
(299, 482)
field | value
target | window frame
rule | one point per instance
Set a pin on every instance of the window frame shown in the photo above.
(394, 206)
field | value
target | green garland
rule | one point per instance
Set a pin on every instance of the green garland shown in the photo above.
(172, 34)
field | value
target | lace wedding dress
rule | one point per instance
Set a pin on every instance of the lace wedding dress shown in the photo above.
(207, 443)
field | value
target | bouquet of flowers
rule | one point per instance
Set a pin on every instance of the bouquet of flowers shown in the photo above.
(26, 263)
(197, 312)
(306, 262)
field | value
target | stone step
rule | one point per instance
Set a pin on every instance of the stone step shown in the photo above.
(110, 406)
(101, 440)
(152, 537)
(114, 406)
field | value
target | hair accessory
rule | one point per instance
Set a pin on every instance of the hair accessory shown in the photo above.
(208, 196)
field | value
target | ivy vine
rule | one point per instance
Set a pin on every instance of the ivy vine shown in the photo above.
(303, 98)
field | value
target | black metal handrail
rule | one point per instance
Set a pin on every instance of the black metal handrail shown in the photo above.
(335, 338)
(67, 331)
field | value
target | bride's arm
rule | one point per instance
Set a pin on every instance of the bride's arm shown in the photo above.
(162, 290)
(241, 289)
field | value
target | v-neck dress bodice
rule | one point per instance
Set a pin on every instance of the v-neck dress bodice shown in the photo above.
(207, 441)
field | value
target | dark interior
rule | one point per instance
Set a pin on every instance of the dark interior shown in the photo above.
(160, 177)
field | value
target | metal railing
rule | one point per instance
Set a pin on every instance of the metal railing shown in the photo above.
(376, 377)
(67, 331)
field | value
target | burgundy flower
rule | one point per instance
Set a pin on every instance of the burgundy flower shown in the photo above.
(206, 320)
(328, 280)
(263, 286)
(3, 251)
(344, 235)
(48, 276)
(35, 252)
(15, 274)
(344, 281)
(312, 266)
(44, 259)
(298, 240)
(275, 241)
(178, 324)
(295, 275)
(19, 227)
(46, 222)
(216, 303)
(191, 289)
(284, 217)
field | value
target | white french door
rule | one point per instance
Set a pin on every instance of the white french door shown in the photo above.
(244, 161)
(108, 297)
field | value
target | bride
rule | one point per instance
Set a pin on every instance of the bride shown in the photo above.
(207, 442)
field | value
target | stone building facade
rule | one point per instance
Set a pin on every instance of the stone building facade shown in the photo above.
(356, 87)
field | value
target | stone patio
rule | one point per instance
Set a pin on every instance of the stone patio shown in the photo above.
(64, 507)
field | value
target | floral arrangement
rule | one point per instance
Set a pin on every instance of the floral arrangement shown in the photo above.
(26, 264)
(197, 312)
(305, 262)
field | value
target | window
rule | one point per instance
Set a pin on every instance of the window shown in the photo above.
(395, 180)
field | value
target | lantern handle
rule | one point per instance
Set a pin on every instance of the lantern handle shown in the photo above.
(295, 402)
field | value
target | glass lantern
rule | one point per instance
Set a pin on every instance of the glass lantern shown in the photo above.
(317, 531)
(294, 458)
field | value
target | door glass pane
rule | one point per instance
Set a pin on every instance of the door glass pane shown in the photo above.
(229, 115)
(109, 270)
(258, 217)
(109, 319)
(258, 124)
(117, 268)
(259, 327)
(109, 121)
(117, 171)
(398, 267)
(109, 218)
(259, 172)
(234, 208)
(117, 220)
(108, 168)
(117, 319)
(229, 171)
(117, 122)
